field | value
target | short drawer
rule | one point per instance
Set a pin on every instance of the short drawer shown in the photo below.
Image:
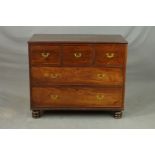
(76, 75)
(78, 55)
(45, 54)
(110, 54)
(76, 97)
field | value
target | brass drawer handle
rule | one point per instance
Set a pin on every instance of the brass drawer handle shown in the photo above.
(54, 97)
(100, 76)
(45, 55)
(77, 55)
(110, 55)
(100, 97)
(53, 76)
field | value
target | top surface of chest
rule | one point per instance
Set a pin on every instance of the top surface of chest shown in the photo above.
(77, 38)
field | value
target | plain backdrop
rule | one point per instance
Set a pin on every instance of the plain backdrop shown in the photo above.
(14, 80)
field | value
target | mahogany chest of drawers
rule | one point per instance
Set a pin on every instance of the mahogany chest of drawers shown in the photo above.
(77, 72)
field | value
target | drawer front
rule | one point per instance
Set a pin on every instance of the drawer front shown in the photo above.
(110, 54)
(75, 76)
(78, 55)
(45, 54)
(76, 97)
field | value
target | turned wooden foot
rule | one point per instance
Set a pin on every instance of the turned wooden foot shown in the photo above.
(118, 114)
(36, 113)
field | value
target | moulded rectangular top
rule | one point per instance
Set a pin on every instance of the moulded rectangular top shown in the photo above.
(76, 38)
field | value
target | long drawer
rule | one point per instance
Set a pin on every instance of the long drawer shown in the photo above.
(76, 97)
(77, 76)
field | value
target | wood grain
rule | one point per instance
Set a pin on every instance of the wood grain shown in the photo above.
(77, 72)
(38, 52)
(76, 97)
(105, 51)
(77, 76)
(78, 55)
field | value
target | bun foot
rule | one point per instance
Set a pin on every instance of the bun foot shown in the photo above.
(36, 113)
(118, 114)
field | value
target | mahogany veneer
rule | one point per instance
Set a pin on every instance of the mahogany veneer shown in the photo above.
(77, 72)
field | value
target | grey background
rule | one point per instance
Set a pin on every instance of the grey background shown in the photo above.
(14, 82)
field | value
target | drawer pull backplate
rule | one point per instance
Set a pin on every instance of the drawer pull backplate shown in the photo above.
(77, 55)
(100, 97)
(45, 55)
(110, 55)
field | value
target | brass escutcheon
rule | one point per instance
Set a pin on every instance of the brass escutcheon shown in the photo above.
(100, 97)
(54, 97)
(46, 74)
(54, 76)
(100, 76)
